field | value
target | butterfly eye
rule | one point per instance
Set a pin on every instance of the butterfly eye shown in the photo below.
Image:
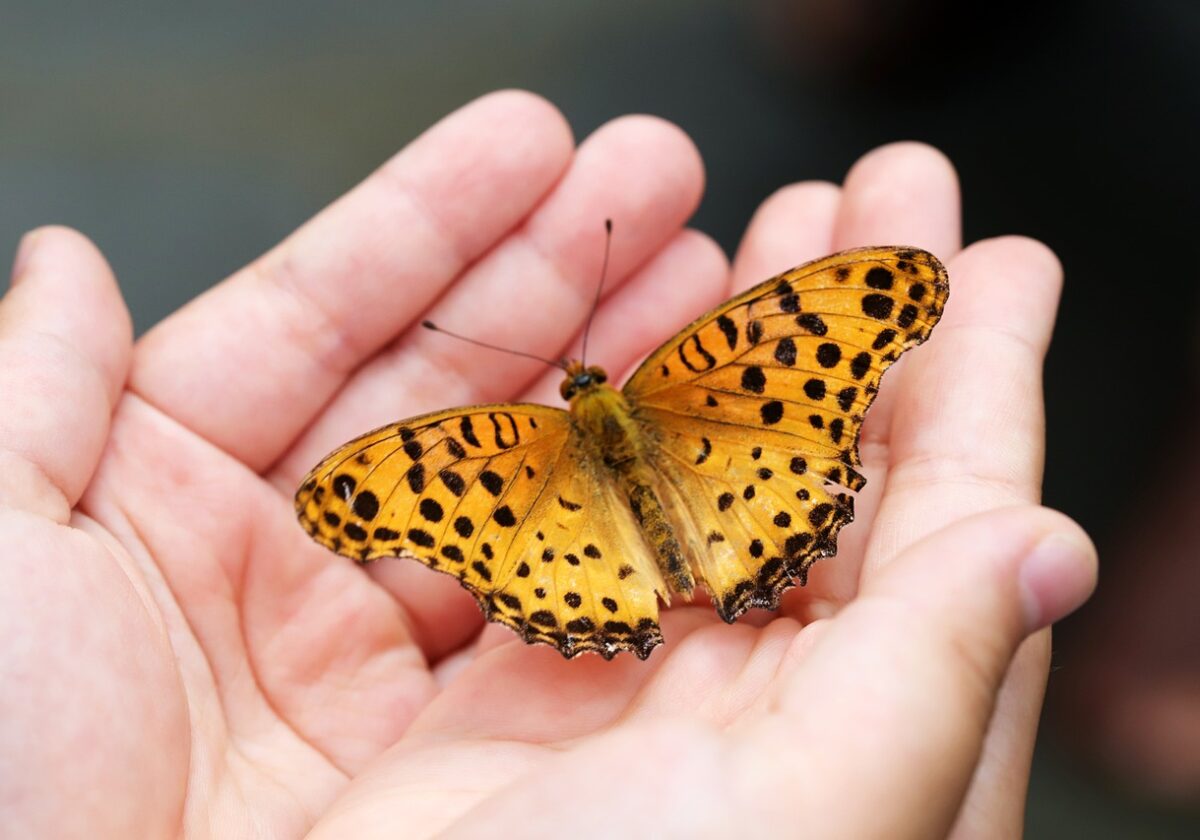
(567, 390)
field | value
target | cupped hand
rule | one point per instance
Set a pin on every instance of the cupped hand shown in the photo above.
(181, 659)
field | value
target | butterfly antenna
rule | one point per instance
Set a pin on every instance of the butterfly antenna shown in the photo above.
(599, 288)
(429, 325)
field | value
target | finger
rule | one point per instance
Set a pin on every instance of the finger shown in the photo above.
(942, 622)
(852, 713)
(249, 363)
(64, 354)
(532, 292)
(967, 435)
(793, 226)
(968, 429)
(995, 801)
(687, 278)
(899, 194)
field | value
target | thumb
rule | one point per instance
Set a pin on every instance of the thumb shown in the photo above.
(893, 698)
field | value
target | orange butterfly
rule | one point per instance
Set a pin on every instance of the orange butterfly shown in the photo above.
(718, 464)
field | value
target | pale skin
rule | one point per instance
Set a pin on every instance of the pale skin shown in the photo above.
(181, 660)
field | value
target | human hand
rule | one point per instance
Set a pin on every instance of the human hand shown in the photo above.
(183, 659)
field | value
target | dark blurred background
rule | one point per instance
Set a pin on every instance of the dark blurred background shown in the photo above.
(187, 139)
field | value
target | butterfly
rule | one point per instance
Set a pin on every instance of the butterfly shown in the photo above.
(723, 463)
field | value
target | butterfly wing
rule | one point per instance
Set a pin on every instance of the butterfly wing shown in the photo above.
(756, 408)
(508, 499)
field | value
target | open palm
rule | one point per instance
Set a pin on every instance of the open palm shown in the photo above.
(189, 662)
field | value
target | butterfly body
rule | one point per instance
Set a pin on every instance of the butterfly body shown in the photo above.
(616, 442)
(720, 464)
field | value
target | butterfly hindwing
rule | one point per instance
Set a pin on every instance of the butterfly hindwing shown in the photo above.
(756, 408)
(506, 499)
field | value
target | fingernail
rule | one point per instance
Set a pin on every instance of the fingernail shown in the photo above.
(1055, 579)
(25, 249)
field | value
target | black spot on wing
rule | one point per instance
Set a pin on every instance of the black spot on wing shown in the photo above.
(421, 538)
(835, 429)
(505, 428)
(845, 398)
(812, 323)
(344, 486)
(703, 359)
(543, 618)
(416, 477)
(828, 355)
(366, 505)
(467, 428)
(754, 331)
(753, 379)
(879, 278)
(771, 412)
(877, 306)
(785, 352)
(860, 365)
(492, 482)
(453, 481)
(729, 329)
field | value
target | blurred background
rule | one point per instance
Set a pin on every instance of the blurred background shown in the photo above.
(187, 138)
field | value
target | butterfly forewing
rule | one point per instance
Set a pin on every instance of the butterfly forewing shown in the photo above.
(756, 409)
(505, 498)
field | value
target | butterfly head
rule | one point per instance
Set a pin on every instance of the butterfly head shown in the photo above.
(581, 380)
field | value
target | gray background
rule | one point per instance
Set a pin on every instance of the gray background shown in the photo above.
(186, 139)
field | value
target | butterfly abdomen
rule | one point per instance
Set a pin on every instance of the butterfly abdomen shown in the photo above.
(657, 530)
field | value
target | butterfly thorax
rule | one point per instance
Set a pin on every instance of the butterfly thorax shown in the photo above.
(603, 415)
(610, 432)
